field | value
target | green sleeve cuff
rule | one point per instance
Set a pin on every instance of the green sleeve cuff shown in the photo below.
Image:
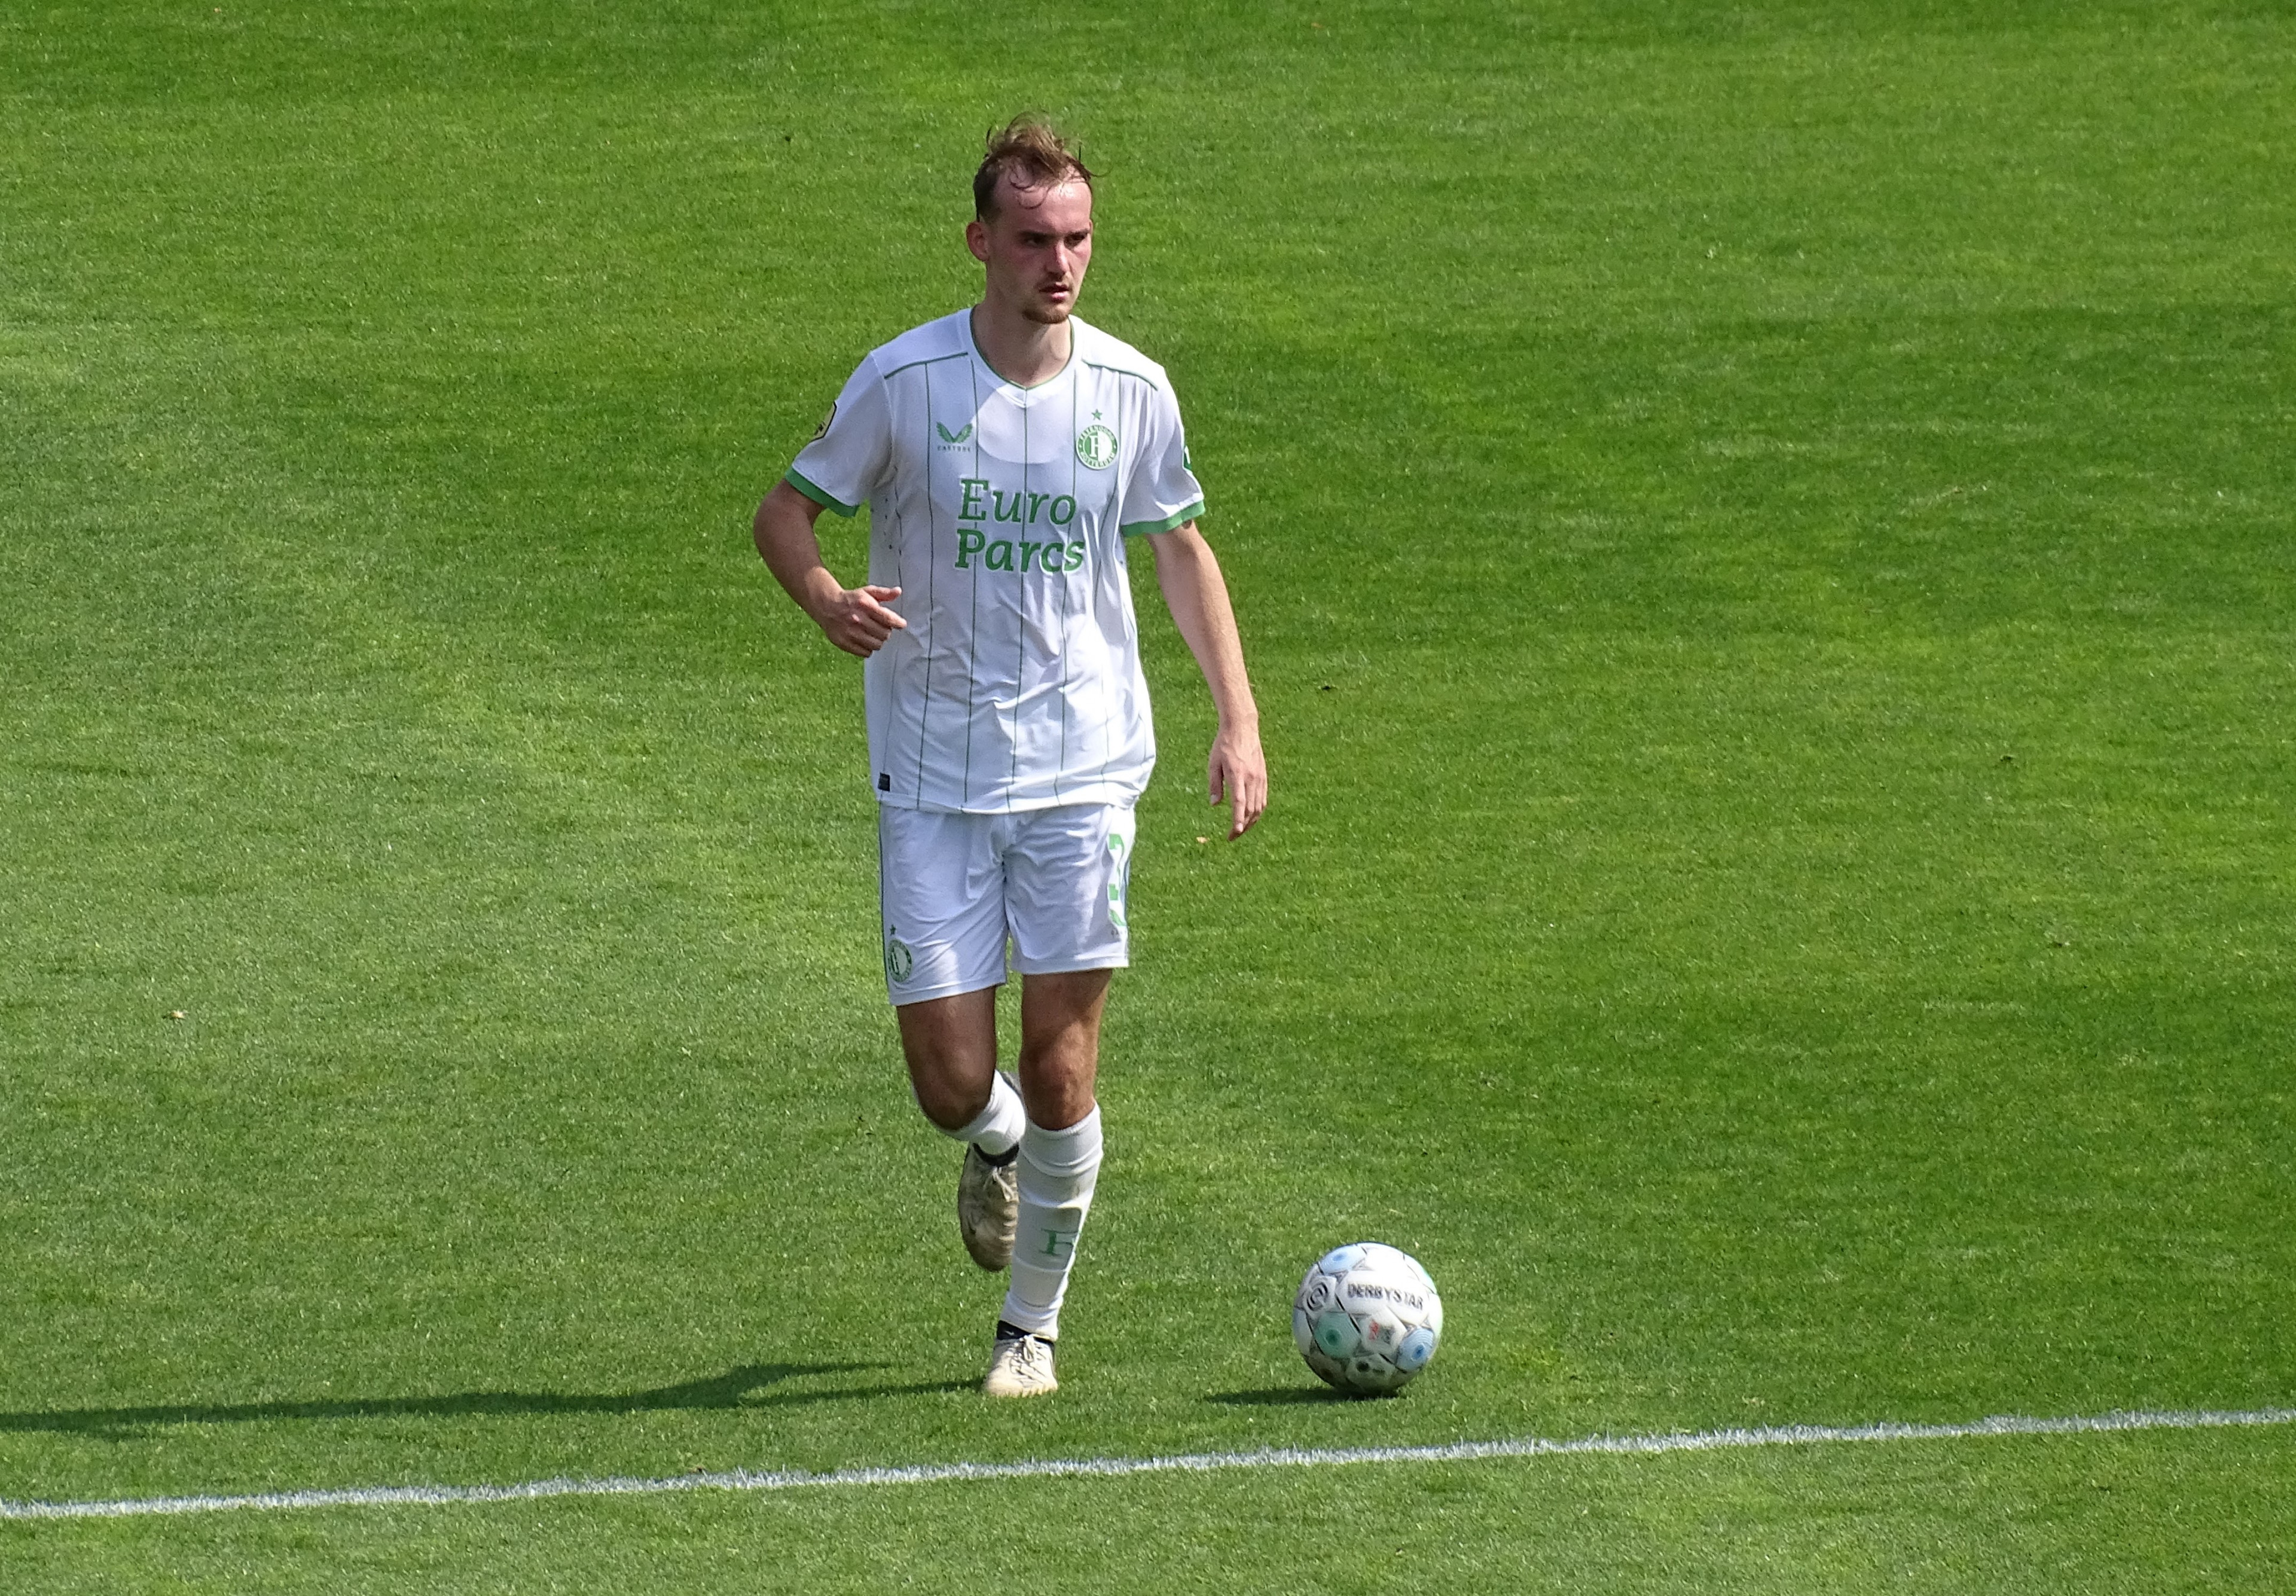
(827, 500)
(1138, 529)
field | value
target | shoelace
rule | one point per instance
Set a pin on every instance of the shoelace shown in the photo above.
(1033, 1355)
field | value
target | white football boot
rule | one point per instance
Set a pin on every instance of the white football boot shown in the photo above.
(1021, 1366)
(988, 1209)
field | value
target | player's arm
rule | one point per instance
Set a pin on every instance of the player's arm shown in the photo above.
(855, 619)
(1197, 596)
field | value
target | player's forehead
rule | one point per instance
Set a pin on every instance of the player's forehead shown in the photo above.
(1063, 207)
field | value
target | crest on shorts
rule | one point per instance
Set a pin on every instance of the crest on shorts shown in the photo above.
(1097, 448)
(899, 960)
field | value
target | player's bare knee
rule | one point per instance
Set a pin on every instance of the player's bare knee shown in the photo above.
(951, 1104)
(1058, 1085)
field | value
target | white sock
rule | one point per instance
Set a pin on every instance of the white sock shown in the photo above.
(996, 1128)
(1058, 1171)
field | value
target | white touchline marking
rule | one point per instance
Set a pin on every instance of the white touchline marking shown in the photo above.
(1202, 1463)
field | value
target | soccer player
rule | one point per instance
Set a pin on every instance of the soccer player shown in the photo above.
(1009, 453)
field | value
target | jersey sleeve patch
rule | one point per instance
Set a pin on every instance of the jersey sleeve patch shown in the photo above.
(848, 459)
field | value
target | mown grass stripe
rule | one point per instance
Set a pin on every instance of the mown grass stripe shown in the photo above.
(925, 1474)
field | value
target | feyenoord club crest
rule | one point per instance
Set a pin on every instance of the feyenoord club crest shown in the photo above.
(1097, 448)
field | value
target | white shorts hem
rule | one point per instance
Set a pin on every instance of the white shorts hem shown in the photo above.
(953, 989)
(1021, 968)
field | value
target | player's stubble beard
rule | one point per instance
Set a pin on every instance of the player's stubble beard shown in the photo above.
(1047, 315)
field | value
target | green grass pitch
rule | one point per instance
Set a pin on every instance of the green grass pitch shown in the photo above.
(1766, 535)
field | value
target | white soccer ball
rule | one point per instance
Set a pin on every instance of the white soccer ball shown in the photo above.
(1367, 1317)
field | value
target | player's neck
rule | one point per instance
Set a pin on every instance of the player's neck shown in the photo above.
(1023, 352)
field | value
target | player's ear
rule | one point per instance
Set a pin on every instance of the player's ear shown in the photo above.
(976, 239)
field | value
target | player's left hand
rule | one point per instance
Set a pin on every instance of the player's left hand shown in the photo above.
(1237, 771)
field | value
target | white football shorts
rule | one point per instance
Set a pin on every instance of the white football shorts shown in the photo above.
(955, 888)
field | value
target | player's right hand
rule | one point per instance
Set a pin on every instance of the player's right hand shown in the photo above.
(857, 621)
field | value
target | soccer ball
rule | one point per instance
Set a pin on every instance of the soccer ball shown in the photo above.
(1367, 1317)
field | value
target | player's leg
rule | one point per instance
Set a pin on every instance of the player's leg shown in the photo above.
(941, 883)
(950, 1044)
(1059, 1152)
(1059, 1044)
(1066, 877)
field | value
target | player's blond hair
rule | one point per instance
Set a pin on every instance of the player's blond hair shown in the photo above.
(1030, 150)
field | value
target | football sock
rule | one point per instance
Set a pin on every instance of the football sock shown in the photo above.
(996, 1129)
(1058, 1171)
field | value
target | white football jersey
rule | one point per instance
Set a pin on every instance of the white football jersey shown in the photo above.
(1001, 514)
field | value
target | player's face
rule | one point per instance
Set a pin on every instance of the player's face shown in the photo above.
(1036, 248)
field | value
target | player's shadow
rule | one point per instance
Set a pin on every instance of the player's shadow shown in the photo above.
(749, 1385)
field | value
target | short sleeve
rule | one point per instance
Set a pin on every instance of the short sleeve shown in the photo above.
(846, 461)
(1163, 493)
